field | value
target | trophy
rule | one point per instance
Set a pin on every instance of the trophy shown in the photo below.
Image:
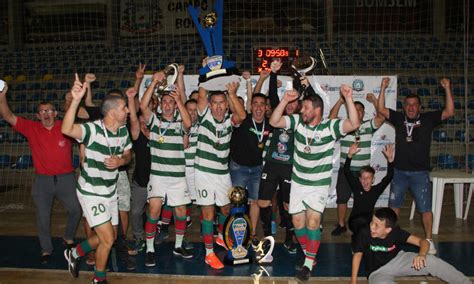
(171, 74)
(216, 72)
(237, 229)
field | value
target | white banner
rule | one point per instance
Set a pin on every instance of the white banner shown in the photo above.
(328, 88)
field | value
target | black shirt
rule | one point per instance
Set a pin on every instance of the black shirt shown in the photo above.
(414, 155)
(378, 252)
(244, 149)
(364, 201)
(93, 112)
(141, 175)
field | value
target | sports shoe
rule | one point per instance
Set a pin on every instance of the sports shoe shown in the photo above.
(221, 243)
(302, 276)
(150, 259)
(290, 246)
(183, 252)
(338, 230)
(136, 246)
(72, 263)
(162, 235)
(130, 263)
(300, 264)
(45, 258)
(90, 259)
(213, 261)
(432, 249)
(187, 245)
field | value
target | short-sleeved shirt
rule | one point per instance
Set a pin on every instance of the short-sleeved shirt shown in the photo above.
(95, 178)
(414, 155)
(313, 168)
(51, 150)
(213, 146)
(190, 152)
(244, 149)
(378, 252)
(361, 158)
(166, 146)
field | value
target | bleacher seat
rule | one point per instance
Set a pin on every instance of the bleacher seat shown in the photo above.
(18, 138)
(5, 161)
(446, 161)
(413, 81)
(23, 162)
(441, 136)
(460, 135)
(434, 104)
(458, 92)
(430, 81)
(423, 92)
(404, 92)
(457, 104)
(4, 137)
(470, 161)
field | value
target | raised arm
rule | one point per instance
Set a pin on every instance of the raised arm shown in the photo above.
(89, 78)
(203, 101)
(180, 83)
(277, 120)
(356, 259)
(263, 76)
(5, 111)
(134, 123)
(275, 66)
(139, 74)
(145, 103)
(182, 110)
(248, 87)
(235, 106)
(335, 109)
(379, 118)
(352, 123)
(381, 109)
(68, 127)
(389, 153)
(351, 179)
(448, 110)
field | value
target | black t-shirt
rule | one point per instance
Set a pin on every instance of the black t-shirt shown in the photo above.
(93, 112)
(378, 252)
(244, 149)
(364, 201)
(414, 155)
(141, 175)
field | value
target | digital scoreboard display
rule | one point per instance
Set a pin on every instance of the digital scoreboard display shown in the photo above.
(263, 57)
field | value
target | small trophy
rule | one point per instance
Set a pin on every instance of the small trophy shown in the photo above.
(264, 249)
(237, 229)
(171, 73)
(216, 71)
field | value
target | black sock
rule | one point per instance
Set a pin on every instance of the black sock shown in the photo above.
(266, 218)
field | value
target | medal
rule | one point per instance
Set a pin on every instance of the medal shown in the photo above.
(284, 137)
(259, 133)
(307, 149)
(161, 140)
(409, 139)
(260, 145)
(409, 127)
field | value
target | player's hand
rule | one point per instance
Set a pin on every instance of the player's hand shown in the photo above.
(371, 98)
(445, 83)
(232, 87)
(131, 93)
(346, 91)
(113, 162)
(89, 78)
(389, 152)
(385, 82)
(78, 89)
(290, 96)
(3, 93)
(158, 77)
(140, 73)
(181, 69)
(264, 74)
(354, 149)
(419, 262)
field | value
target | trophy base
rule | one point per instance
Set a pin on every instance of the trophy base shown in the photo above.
(233, 261)
(217, 82)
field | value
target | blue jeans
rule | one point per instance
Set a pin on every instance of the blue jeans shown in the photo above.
(246, 177)
(420, 188)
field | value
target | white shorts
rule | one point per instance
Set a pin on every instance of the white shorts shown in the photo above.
(99, 210)
(172, 189)
(190, 182)
(123, 191)
(211, 188)
(304, 196)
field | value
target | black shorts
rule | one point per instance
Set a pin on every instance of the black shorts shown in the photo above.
(275, 176)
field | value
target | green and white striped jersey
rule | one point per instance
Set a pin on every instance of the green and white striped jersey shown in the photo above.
(213, 145)
(190, 152)
(95, 178)
(362, 158)
(166, 146)
(314, 150)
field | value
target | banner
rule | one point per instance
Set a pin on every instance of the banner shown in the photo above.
(328, 87)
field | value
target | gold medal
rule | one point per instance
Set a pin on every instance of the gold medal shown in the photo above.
(307, 149)
(260, 146)
(161, 140)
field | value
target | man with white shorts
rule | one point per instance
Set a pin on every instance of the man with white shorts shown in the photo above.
(107, 147)
(167, 175)
(312, 165)
(211, 167)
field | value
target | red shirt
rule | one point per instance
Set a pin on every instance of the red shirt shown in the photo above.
(51, 151)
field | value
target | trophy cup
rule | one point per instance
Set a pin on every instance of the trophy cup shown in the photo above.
(237, 229)
(216, 71)
(171, 74)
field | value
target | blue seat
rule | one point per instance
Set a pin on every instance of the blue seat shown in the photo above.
(471, 104)
(413, 81)
(434, 104)
(18, 138)
(446, 161)
(4, 137)
(75, 161)
(399, 104)
(405, 92)
(457, 104)
(5, 161)
(470, 161)
(458, 92)
(23, 162)
(430, 81)
(423, 92)
(441, 136)
(460, 135)
(125, 84)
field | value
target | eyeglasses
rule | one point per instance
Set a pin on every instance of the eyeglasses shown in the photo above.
(49, 111)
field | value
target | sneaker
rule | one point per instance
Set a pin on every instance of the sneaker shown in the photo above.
(290, 246)
(150, 259)
(130, 263)
(302, 276)
(300, 264)
(95, 281)
(213, 261)
(338, 230)
(136, 246)
(183, 252)
(72, 263)
(90, 259)
(161, 237)
(45, 258)
(221, 243)
(187, 245)
(432, 249)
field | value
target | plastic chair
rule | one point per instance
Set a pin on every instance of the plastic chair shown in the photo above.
(5, 161)
(446, 161)
(23, 162)
(441, 136)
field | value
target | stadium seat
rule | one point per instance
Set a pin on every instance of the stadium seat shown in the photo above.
(404, 92)
(471, 104)
(457, 104)
(460, 135)
(446, 161)
(423, 92)
(470, 161)
(458, 92)
(441, 136)
(430, 81)
(5, 161)
(399, 104)
(4, 137)
(23, 162)
(413, 81)
(434, 104)
(18, 138)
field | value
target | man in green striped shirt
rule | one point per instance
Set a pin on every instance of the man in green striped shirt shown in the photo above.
(363, 135)
(312, 165)
(108, 147)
